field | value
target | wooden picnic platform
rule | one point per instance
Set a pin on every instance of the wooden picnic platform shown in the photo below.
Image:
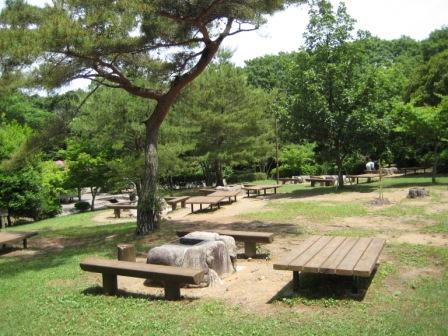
(208, 200)
(250, 238)
(284, 180)
(349, 256)
(321, 180)
(11, 237)
(256, 189)
(369, 177)
(231, 194)
(413, 169)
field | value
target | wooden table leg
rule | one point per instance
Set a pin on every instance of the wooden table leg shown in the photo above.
(110, 284)
(250, 249)
(295, 281)
(172, 291)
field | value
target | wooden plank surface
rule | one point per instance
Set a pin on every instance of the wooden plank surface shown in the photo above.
(298, 263)
(334, 255)
(225, 193)
(122, 206)
(367, 263)
(141, 270)
(347, 264)
(284, 263)
(245, 236)
(9, 237)
(205, 200)
(313, 265)
(329, 266)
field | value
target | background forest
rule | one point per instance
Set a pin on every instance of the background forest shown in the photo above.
(344, 97)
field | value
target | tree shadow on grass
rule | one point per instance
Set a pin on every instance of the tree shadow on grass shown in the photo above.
(316, 287)
(98, 291)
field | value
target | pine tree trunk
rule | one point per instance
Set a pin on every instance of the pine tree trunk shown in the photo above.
(435, 163)
(148, 204)
(219, 174)
(340, 175)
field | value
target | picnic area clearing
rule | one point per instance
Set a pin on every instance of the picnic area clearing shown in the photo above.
(41, 291)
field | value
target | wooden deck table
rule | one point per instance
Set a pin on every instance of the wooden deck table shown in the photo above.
(349, 256)
(208, 200)
(256, 189)
(11, 237)
(231, 194)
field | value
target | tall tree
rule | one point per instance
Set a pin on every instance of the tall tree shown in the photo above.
(167, 43)
(336, 88)
(229, 120)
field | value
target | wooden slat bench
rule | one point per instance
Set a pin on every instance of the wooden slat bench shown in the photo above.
(226, 193)
(284, 180)
(413, 169)
(369, 177)
(350, 256)
(118, 207)
(172, 277)
(12, 237)
(256, 189)
(173, 201)
(250, 238)
(322, 181)
(208, 200)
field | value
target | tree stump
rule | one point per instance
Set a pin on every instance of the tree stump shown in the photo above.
(126, 252)
(417, 193)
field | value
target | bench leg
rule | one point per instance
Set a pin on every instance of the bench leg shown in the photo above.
(192, 208)
(250, 249)
(355, 285)
(110, 284)
(174, 206)
(172, 291)
(183, 204)
(295, 281)
(117, 213)
(25, 244)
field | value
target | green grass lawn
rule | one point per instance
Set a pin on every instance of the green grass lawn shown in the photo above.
(48, 294)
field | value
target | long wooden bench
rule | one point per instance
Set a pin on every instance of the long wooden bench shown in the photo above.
(256, 189)
(118, 207)
(349, 256)
(328, 182)
(250, 238)
(173, 201)
(207, 200)
(284, 180)
(231, 194)
(171, 277)
(12, 237)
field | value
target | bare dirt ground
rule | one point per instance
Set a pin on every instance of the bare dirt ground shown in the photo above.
(255, 286)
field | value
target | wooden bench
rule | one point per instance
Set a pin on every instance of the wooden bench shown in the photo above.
(369, 177)
(250, 238)
(226, 193)
(208, 200)
(118, 207)
(256, 189)
(11, 237)
(284, 180)
(173, 201)
(413, 169)
(350, 256)
(171, 277)
(322, 181)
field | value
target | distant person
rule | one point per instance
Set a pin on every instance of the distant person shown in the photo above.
(370, 166)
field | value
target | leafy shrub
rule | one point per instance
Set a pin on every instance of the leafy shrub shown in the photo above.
(82, 205)
(246, 177)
